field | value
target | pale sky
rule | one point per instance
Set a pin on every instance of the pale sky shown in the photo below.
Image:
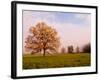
(73, 28)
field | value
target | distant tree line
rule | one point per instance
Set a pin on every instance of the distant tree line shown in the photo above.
(70, 49)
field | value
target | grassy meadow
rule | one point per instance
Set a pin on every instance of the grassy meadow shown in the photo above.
(31, 61)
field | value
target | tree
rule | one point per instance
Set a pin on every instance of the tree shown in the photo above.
(77, 49)
(63, 50)
(87, 48)
(42, 38)
(70, 49)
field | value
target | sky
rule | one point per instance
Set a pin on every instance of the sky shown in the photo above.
(73, 28)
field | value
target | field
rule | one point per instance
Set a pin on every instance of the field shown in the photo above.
(56, 61)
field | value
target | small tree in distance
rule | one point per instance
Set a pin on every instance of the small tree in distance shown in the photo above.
(87, 48)
(63, 50)
(70, 49)
(77, 49)
(42, 38)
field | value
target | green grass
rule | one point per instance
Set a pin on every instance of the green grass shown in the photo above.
(56, 61)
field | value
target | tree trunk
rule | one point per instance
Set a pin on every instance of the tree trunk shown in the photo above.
(43, 52)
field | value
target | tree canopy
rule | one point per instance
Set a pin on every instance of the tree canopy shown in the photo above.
(42, 38)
